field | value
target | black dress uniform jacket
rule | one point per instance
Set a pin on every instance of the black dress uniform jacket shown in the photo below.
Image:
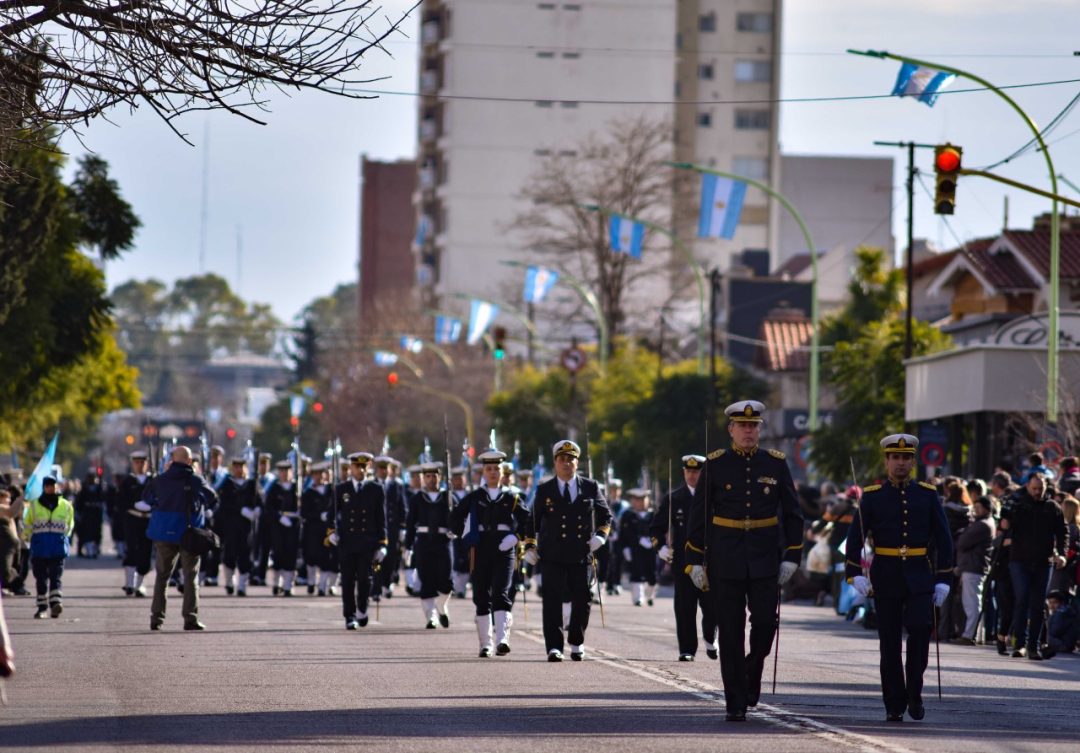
(563, 529)
(751, 514)
(676, 506)
(496, 518)
(898, 519)
(361, 518)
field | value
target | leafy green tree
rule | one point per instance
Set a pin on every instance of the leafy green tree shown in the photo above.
(535, 409)
(875, 291)
(108, 223)
(868, 376)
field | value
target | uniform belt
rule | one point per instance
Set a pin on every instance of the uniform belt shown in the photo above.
(500, 527)
(426, 529)
(903, 552)
(745, 523)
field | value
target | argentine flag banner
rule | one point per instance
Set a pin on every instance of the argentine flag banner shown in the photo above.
(922, 83)
(625, 235)
(538, 281)
(721, 206)
(423, 227)
(481, 315)
(41, 470)
(447, 329)
(385, 358)
(411, 344)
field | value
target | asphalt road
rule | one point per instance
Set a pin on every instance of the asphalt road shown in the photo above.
(285, 673)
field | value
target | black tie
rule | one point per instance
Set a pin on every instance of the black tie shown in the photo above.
(566, 493)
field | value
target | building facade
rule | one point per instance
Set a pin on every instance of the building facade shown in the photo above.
(387, 230)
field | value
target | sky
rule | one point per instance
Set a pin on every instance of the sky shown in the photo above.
(283, 198)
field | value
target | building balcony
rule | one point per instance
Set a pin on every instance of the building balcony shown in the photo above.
(431, 32)
(429, 129)
(429, 82)
(427, 178)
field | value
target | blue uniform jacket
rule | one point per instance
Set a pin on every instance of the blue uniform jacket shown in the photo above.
(894, 517)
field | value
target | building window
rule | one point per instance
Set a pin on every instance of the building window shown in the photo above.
(546, 6)
(753, 120)
(545, 54)
(762, 22)
(571, 6)
(568, 105)
(542, 152)
(753, 70)
(756, 168)
(705, 71)
(571, 55)
(707, 22)
(544, 103)
(704, 119)
(568, 153)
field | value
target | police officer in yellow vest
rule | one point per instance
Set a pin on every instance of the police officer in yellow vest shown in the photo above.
(911, 570)
(743, 538)
(48, 523)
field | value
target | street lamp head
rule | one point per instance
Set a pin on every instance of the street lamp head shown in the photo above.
(870, 53)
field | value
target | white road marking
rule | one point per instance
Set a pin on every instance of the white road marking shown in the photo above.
(766, 712)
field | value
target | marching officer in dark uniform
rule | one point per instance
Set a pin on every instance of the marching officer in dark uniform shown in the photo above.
(360, 537)
(314, 506)
(233, 517)
(428, 535)
(497, 515)
(281, 511)
(136, 515)
(675, 509)
(396, 511)
(264, 525)
(572, 520)
(463, 545)
(744, 537)
(910, 572)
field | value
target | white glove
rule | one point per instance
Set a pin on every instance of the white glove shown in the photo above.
(645, 542)
(861, 584)
(787, 569)
(285, 520)
(509, 542)
(324, 516)
(406, 559)
(401, 536)
(941, 592)
(596, 542)
(380, 553)
(248, 513)
(698, 578)
(142, 506)
(451, 535)
(665, 553)
(626, 555)
(532, 557)
(334, 538)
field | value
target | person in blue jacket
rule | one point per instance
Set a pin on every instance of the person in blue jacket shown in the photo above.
(177, 498)
(48, 523)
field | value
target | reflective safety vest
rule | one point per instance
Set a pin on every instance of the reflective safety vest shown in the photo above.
(49, 531)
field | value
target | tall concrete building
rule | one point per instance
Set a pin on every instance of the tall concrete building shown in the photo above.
(387, 228)
(506, 84)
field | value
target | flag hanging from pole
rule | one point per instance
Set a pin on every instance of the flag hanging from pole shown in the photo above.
(538, 282)
(41, 470)
(385, 358)
(625, 235)
(447, 329)
(922, 83)
(411, 344)
(721, 206)
(481, 315)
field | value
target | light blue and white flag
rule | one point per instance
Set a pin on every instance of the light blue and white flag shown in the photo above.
(423, 227)
(447, 329)
(481, 315)
(385, 358)
(921, 82)
(625, 235)
(41, 470)
(411, 344)
(296, 405)
(538, 281)
(721, 206)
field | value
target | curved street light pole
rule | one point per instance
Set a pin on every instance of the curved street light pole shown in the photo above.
(699, 273)
(586, 295)
(1055, 225)
(815, 350)
(440, 353)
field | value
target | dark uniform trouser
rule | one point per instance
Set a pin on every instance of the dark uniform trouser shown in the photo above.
(286, 546)
(730, 601)
(433, 563)
(137, 554)
(264, 536)
(565, 582)
(391, 564)
(355, 580)
(492, 577)
(687, 599)
(894, 614)
(235, 549)
(48, 571)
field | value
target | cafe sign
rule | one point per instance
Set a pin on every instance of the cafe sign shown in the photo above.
(1031, 331)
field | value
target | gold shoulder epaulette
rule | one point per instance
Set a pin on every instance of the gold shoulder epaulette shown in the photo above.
(925, 485)
(715, 454)
(871, 488)
(777, 454)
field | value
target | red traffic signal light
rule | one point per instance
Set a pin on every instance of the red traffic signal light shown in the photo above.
(317, 407)
(392, 379)
(294, 421)
(947, 161)
(230, 433)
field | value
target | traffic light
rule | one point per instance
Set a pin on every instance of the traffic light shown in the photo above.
(294, 421)
(392, 379)
(498, 335)
(230, 433)
(947, 170)
(129, 439)
(317, 407)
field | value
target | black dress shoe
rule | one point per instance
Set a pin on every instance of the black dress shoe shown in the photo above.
(129, 591)
(712, 653)
(1035, 655)
(577, 656)
(311, 590)
(916, 710)
(555, 656)
(431, 625)
(485, 653)
(276, 590)
(686, 657)
(1002, 648)
(753, 690)
(502, 649)
(229, 590)
(444, 620)
(1019, 653)
(891, 716)
(194, 626)
(351, 624)
(736, 715)
(363, 621)
(155, 626)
